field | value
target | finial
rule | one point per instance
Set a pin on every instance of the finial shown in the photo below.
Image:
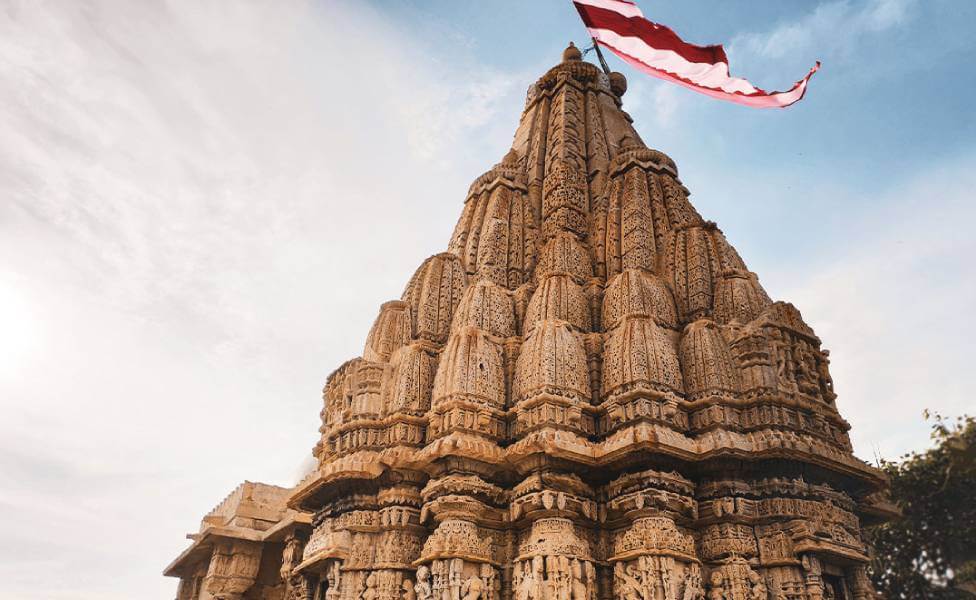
(572, 53)
(618, 83)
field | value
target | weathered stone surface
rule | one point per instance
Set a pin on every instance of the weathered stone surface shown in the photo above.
(588, 396)
(247, 547)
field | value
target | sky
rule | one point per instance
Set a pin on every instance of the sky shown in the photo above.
(204, 202)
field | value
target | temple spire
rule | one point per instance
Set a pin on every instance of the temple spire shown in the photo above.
(588, 394)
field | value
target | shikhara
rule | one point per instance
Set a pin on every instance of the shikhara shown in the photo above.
(587, 396)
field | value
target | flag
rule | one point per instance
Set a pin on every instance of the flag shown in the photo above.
(656, 50)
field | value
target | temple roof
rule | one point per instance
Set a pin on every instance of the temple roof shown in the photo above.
(255, 512)
(584, 318)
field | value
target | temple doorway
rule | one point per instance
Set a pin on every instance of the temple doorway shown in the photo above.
(834, 588)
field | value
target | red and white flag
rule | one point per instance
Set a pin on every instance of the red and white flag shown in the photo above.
(656, 50)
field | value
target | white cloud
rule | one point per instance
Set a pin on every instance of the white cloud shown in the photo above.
(835, 27)
(182, 255)
(893, 303)
(653, 102)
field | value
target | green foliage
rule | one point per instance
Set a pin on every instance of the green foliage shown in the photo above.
(930, 552)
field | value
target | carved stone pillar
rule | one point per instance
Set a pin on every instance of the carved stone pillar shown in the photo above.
(554, 563)
(651, 556)
(456, 564)
(233, 569)
(291, 557)
(398, 544)
(813, 576)
(185, 589)
(735, 579)
(654, 559)
(860, 584)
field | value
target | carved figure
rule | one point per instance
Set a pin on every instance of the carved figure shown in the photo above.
(564, 583)
(552, 579)
(693, 586)
(473, 588)
(370, 593)
(579, 591)
(539, 579)
(591, 580)
(716, 587)
(525, 584)
(332, 574)
(759, 590)
(626, 586)
(423, 590)
(488, 579)
(457, 566)
(408, 590)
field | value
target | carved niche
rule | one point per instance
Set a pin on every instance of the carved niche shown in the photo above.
(456, 564)
(553, 563)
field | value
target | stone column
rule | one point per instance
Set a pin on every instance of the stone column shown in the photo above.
(553, 563)
(813, 576)
(291, 557)
(233, 569)
(456, 564)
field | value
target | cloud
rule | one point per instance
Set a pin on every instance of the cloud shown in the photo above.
(654, 102)
(182, 253)
(838, 27)
(891, 302)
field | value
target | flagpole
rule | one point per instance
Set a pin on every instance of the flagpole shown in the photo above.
(603, 62)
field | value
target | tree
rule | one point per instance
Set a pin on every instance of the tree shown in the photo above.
(929, 553)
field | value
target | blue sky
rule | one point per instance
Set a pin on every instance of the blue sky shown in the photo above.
(203, 204)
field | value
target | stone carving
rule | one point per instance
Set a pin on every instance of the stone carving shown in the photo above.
(473, 588)
(564, 254)
(552, 578)
(558, 298)
(457, 537)
(433, 293)
(758, 590)
(505, 432)
(626, 583)
(370, 593)
(392, 329)
(635, 293)
(657, 578)
(736, 580)
(233, 569)
(640, 355)
(487, 307)
(693, 586)
(653, 534)
(409, 592)
(423, 589)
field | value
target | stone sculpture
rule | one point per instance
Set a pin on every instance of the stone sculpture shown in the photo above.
(587, 396)
(423, 589)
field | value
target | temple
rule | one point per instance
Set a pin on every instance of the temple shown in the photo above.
(587, 396)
